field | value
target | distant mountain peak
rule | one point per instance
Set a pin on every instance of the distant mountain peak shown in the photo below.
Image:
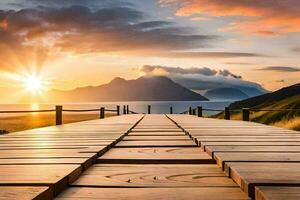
(117, 80)
(146, 88)
(226, 93)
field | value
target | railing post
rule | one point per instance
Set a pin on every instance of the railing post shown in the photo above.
(102, 113)
(118, 110)
(194, 111)
(190, 110)
(246, 114)
(149, 109)
(58, 115)
(127, 109)
(124, 109)
(227, 113)
(200, 114)
(171, 110)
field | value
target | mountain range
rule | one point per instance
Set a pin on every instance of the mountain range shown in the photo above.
(146, 88)
(228, 94)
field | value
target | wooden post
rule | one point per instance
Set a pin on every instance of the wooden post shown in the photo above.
(190, 110)
(246, 114)
(171, 110)
(149, 109)
(118, 110)
(200, 114)
(124, 110)
(102, 113)
(58, 114)
(194, 111)
(227, 113)
(127, 109)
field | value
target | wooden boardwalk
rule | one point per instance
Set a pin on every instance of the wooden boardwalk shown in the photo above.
(151, 157)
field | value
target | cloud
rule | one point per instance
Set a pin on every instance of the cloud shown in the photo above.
(213, 55)
(281, 69)
(60, 26)
(151, 69)
(67, 3)
(262, 17)
(238, 63)
(199, 78)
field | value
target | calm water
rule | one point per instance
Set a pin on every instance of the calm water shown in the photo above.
(140, 107)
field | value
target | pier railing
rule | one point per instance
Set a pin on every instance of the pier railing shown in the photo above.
(246, 112)
(198, 111)
(59, 110)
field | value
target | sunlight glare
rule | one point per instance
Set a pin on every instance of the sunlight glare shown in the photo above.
(33, 83)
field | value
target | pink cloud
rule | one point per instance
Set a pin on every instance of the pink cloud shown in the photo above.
(263, 17)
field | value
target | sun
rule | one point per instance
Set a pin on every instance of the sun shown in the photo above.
(33, 83)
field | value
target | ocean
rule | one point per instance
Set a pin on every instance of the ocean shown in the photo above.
(158, 107)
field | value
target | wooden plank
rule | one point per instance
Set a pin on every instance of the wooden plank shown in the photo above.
(250, 143)
(102, 175)
(245, 139)
(277, 193)
(249, 175)
(154, 138)
(85, 162)
(213, 149)
(57, 177)
(156, 133)
(238, 133)
(179, 143)
(44, 153)
(156, 130)
(25, 193)
(187, 155)
(201, 193)
(221, 157)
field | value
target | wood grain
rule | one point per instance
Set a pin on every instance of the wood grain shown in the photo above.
(277, 193)
(248, 175)
(156, 155)
(180, 143)
(25, 193)
(202, 193)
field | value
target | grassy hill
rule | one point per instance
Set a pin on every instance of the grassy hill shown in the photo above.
(285, 98)
(286, 119)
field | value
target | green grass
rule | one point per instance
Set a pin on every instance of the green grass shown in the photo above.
(36, 120)
(284, 119)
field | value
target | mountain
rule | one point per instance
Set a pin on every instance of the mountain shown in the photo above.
(146, 88)
(252, 91)
(269, 98)
(225, 94)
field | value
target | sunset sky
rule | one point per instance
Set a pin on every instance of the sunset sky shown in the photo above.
(75, 43)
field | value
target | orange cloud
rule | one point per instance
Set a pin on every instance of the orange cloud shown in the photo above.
(263, 17)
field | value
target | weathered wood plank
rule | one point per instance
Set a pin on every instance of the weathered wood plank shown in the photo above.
(213, 149)
(277, 193)
(25, 193)
(45, 153)
(154, 138)
(156, 134)
(179, 143)
(156, 130)
(102, 175)
(201, 193)
(156, 155)
(57, 177)
(85, 162)
(221, 157)
(248, 174)
(250, 143)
